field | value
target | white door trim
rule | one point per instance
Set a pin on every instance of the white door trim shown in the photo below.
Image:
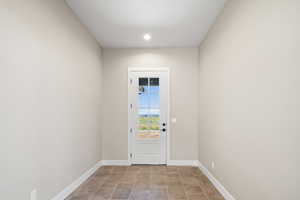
(148, 69)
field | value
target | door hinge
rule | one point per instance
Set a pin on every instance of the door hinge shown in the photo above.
(130, 130)
(130, 81)
(130, 155)
(131, 106)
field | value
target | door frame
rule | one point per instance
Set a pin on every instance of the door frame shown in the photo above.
(148, 69)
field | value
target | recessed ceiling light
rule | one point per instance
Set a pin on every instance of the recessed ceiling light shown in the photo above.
(147, 37)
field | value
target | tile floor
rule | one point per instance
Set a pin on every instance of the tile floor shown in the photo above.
(147, 183)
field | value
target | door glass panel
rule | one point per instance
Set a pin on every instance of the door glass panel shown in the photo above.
(149, 109)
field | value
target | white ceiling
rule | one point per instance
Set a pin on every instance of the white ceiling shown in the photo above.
(172, 23)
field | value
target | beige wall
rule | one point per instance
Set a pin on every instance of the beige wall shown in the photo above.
(249, 99)
(183, 64)
(50, 104)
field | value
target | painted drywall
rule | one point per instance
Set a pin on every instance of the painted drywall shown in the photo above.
(183, 65)
(50, 105)
(190, 19)
(249, 99)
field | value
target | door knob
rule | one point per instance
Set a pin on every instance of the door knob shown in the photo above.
(163, 130)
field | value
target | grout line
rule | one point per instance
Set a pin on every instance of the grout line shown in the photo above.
(203, 187)
(133, 185)
(183, 185)
(111, 194)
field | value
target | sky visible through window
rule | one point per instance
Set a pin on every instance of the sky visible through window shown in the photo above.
(149, 101)
(149, 108)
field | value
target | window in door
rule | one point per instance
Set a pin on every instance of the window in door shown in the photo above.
(149, 108)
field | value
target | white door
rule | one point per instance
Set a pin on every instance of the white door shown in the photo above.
(148, 116)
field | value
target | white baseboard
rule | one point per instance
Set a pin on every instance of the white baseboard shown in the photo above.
(170, 162)
(182, 162)
(116, 162)
(73, 186)
(215, 182)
